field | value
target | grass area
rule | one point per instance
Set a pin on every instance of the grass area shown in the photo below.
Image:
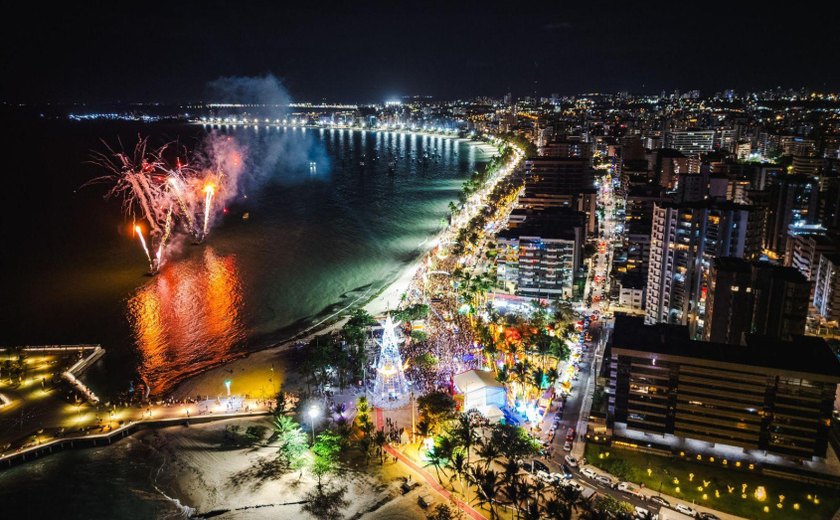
(717, 487)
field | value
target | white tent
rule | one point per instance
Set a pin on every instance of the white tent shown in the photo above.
(481, 391)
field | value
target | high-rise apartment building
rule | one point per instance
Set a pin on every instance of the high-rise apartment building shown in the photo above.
(754, 298)
(549, 175)
(540, 256)
(792, 202)
(766, 395)
(685, 238)
(827, 287)
(803, 253)
(691, 142)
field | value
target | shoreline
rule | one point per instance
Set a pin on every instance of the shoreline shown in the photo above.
(385, 299)
(388, 298)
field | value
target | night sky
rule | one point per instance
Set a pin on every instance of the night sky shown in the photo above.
(365, 51)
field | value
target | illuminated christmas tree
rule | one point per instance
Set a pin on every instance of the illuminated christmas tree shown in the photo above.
(390, 388)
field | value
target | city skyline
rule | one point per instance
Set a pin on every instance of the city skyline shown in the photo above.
(486, 261)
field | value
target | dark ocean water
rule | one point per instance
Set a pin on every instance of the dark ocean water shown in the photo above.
(314, 242)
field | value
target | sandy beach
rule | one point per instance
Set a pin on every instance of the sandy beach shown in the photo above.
(263, 373)
(199, 476)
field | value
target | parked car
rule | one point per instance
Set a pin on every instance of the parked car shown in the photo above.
(566, 473)
(539, 466)
(641, 512)
(567, 446)
(571, 461)
(684, 509)
(545, 476)
(603, 479)
(659, 500)
(708, 516)
(588, 473)
(557, 478)
(573, 484)
(631, 489)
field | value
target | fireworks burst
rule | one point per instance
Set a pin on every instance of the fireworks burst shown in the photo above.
(170, 198)
(139, 232)
(209, 190)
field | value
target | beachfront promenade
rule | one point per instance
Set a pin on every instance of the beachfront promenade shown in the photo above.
(45, 408)
(117, 423)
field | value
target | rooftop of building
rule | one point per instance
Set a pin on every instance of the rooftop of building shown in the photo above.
(647, 191)
(547, 226)
(706, 203)
(834, 258)
(634, 279)
(778, 272)
(552, 158)
(808, 354)
(670, 152)
(473, 380)
(732, 264)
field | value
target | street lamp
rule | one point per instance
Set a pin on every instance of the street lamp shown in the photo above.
(313, 413)
(227, 386)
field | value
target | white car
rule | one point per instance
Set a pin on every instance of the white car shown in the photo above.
(571, 461)
(603, 479)
(641, 512)
(587, 472)
(684, 509)
(545, 477)
(573, 484)
(557, 478)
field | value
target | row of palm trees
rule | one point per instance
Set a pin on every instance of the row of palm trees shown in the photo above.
(480, 462)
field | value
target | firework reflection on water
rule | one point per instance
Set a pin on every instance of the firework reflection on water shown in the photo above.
(188, 319)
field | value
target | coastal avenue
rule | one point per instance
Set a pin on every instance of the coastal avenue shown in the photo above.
(597, 289)
(576, 409)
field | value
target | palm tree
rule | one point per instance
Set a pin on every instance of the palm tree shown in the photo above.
(445, 446)
(487, 486)
(283, 424)
(563, 314)
(569, 495)
(423, 428)
(362, 405)
(436, 461)
(380, 440)
(511, 468)
(534, 495)
(503, 375)
(464, 434)
(556, 509)
(538, 378)
(542, 345)
(458, 465)
(515, 491)
(489, 451)
(532, 511)
(519, 371)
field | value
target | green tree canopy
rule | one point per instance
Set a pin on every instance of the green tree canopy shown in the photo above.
(436, 407)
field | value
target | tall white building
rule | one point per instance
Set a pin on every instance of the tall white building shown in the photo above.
(827, 287)
(685, 238)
